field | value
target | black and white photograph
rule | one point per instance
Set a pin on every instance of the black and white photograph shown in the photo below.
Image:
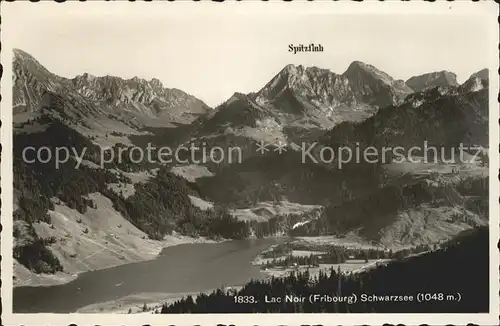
(249, 163)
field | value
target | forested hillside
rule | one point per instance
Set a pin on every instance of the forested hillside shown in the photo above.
(447, 288)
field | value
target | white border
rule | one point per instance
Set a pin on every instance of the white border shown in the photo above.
(487, 9)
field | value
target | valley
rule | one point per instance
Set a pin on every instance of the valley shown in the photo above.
(115, 231)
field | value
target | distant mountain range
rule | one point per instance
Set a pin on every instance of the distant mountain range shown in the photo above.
(146, 103)
(296, 97)
(264, 195)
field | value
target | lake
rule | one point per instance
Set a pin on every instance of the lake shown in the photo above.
(182, 268)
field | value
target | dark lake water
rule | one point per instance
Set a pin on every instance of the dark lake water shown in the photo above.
(182, 268)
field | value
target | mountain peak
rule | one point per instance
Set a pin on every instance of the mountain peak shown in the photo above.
(442, 78)
(291, 70)
(155, 82)
(477, 81)
(374, 86)
(358, 69)
(359, 64)
(237, 96)
(289, 67)
(325, 98)
(25, 60)
(31, 80)
(483, 74)
(87, 76)
(21, 53)
(360, 83)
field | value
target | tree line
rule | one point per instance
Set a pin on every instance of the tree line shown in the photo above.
(330, 254)
(461, 266)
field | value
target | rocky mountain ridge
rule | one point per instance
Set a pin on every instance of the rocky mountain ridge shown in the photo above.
(431, 80)
(148, 100)
(297, 90)
(303, 101)
(149, 103)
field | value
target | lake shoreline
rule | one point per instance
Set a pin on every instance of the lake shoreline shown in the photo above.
(27, 278)
(179, 270)
(152, 302)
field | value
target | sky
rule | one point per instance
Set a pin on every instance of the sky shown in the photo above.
(211, 56)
